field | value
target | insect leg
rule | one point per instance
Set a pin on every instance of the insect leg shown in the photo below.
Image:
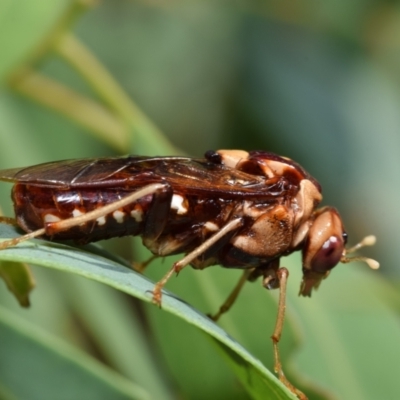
(157, 215)
(282, 275)
(178, 266)
(232, 296)
(141, 266)
(156, 220)
(13, 242)
(8, 221)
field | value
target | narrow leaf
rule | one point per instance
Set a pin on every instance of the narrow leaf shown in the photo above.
(255, 377)
(19, 280)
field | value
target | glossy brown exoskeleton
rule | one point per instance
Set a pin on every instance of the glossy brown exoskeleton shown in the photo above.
(233, 208)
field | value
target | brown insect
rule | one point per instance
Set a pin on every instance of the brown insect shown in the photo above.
(232, 208)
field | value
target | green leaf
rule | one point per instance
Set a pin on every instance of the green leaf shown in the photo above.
(351, 329)
(116, 329)
(24, 25)
(19, 280)
(36, 366)
(250, 371)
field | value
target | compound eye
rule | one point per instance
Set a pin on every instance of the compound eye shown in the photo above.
(325, 243)
(328, 255)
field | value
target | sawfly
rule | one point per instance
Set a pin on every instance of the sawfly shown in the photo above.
(232, 208)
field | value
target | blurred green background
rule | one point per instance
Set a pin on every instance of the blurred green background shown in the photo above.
(318, 82)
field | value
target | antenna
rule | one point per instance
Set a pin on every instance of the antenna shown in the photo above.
(367, 241)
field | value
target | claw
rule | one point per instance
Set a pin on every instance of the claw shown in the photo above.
(157, 295)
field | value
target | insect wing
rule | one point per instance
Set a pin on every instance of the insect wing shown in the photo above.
(203, 178)
(87, 172)
(52, 174)
(187, 175)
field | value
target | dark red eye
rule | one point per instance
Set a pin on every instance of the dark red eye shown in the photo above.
(325, 242)
(328, 255)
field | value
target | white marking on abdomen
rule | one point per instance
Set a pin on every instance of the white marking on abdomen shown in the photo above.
(77, 213)
(177, 204)
(119, 216)
(137, 215)
(51, 218)
(101, 220)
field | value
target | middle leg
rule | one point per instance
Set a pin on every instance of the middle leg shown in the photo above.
(178, 266)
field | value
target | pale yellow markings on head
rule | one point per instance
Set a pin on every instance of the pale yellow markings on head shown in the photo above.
(119, 216)
(51, 218)
(231, 157)
(101, 220)
(326, 225)
(211, 226)
(137, 215)
(178, 204)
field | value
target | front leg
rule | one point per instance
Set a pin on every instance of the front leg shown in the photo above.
(282, 275)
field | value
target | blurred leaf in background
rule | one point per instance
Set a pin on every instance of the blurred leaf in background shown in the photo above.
(318, 82)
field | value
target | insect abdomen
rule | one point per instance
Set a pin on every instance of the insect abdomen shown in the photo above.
(35, 206)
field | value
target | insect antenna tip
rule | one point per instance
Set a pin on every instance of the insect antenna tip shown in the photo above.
(368, 240)
(373, 264)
